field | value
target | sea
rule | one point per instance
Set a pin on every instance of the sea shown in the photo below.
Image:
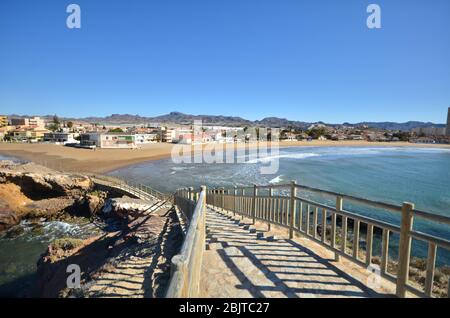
(387, 174)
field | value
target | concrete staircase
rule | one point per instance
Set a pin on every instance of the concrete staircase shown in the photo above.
(241, 261)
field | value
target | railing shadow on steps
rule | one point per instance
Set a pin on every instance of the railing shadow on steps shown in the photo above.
(186, 266)
(306, 217)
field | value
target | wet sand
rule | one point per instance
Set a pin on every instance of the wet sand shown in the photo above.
(103, 160)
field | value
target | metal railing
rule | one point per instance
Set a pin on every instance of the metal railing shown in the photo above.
(187, 265)
(318, 222)
(137, 189)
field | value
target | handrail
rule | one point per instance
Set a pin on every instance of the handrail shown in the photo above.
(186, 266)
(130, 186)
(373, 203)
(318, 222)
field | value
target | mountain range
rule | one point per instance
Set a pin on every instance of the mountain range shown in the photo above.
(181, 118)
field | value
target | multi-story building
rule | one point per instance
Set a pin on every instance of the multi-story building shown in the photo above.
(19, 121)
(168, 135)
(28, 134)
(35, 122)
(429, 131)
(447, 131)
(3, 121)
(108, 140)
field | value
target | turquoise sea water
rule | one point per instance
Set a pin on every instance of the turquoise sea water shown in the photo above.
(392, 175)
(22, 245)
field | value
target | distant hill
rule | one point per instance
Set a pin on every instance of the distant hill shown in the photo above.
(180, 118)
(273, 122)
(397, 126)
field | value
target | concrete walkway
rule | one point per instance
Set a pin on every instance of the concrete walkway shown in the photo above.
(242, 262)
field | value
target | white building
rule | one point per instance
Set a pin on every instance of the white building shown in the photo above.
(168, 135)
(36, 122)
(108, 140)
(61, 137)
(145, 138)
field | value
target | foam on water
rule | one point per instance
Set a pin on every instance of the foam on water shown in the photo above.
(21, 246)
(284, 156)
(277, 179)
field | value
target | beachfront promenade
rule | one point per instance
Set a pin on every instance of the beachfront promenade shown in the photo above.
(267, 241)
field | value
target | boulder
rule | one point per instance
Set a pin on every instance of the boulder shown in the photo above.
(125, 207)
(95, 202)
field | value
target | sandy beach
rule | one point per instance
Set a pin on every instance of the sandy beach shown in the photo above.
(105, 160)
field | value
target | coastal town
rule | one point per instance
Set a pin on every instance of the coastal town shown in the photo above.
(84, 134)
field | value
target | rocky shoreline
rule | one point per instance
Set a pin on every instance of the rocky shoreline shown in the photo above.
(132, 229)
(32, 192)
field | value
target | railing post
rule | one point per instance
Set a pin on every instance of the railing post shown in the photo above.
(203, 189)
(191, 193)
(242, 204)
(339, 205)
(234, 201)
(404, 248)
(255, 193)
(292, 212)
(431, 260)
(270, 208)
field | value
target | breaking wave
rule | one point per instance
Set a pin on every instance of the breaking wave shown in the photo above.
(277, 179)
(287, 156)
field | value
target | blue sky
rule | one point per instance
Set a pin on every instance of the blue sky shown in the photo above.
(303, 60)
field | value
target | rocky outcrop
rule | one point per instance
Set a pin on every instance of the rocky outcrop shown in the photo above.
(50, 208)
(52, 266)
(32, 191)
(131, 263)
(95, 201)
(38, 182)
(12, 205)
(127, 207)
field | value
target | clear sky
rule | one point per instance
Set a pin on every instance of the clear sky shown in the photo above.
(304, 60)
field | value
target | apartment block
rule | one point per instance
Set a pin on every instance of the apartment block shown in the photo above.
(3, 120)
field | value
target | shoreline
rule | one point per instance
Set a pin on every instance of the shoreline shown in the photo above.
(106, 160)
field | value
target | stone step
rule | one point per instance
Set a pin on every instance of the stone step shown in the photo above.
(214, 246)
